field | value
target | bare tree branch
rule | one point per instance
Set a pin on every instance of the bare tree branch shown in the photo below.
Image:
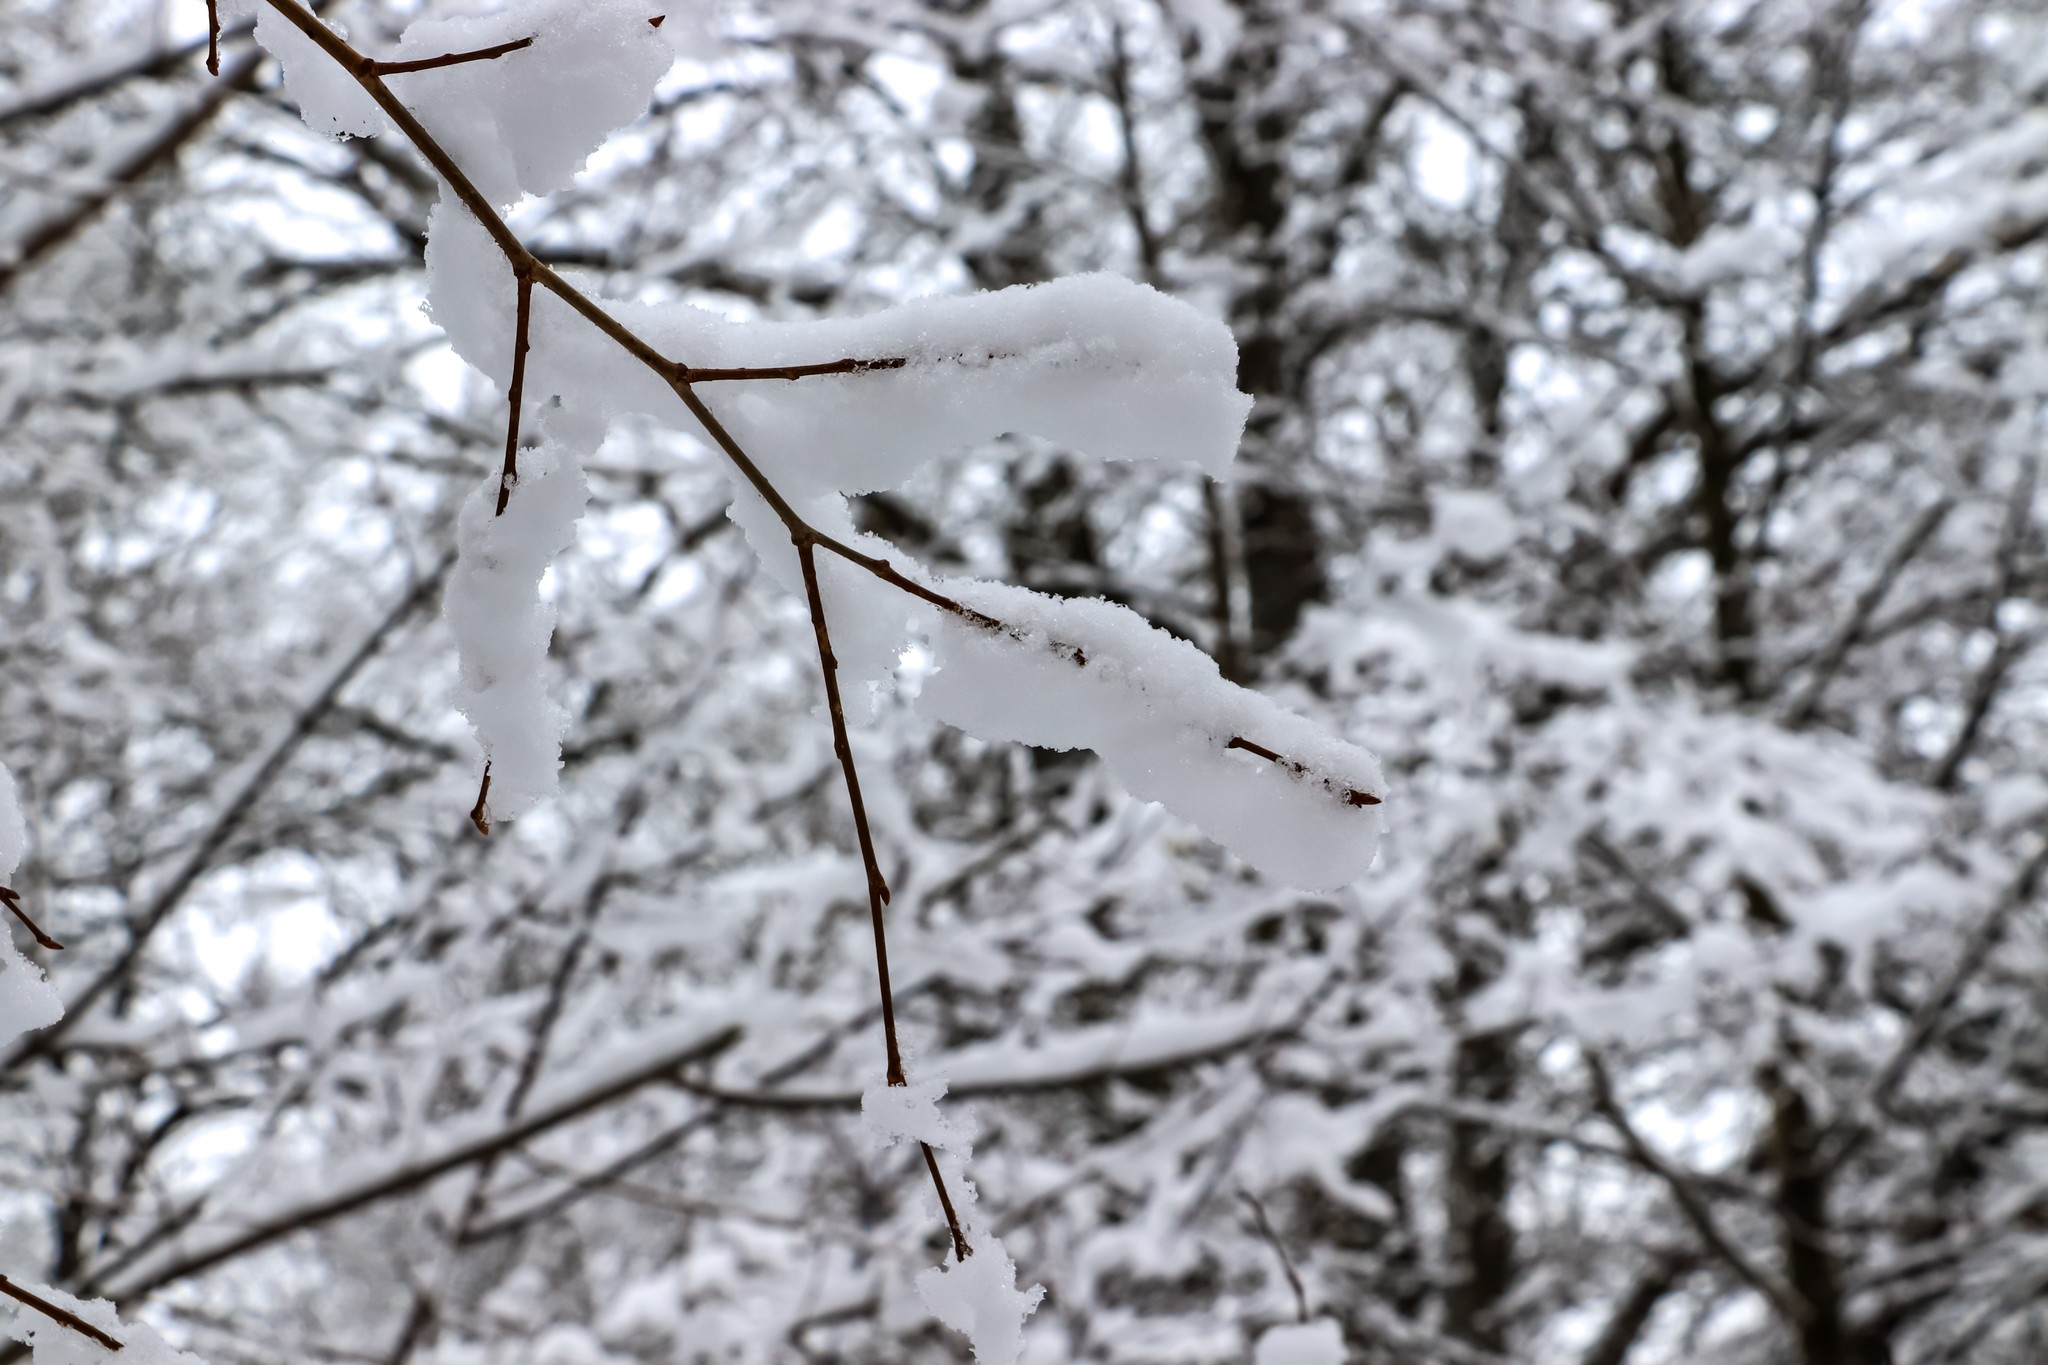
(263, 1230)
(229, 822)
(1829, 662)
(2008, 644)
(59, 227)
(1695, 1210)
(1858, 1121)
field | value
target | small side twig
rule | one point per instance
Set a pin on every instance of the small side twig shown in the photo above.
(213, 37)
(1273, 1240)
(2008, 645)
(1836, 652)
(369, 66)
(1352, 796)
(1074, 654)
(850, 365)
(63, 1316)
(11, 898)
(1859, 1121)
(878, 888)
(521, 344)
(480, 813)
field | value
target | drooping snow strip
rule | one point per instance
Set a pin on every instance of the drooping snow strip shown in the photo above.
(502, 626)
(1089, 674)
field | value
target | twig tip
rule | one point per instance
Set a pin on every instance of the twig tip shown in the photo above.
(480, 813)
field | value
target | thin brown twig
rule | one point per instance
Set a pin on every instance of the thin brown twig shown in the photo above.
(60, 1315)
(850, 365)
(1074, 654)
(480, 813)
(961, 1251)
(878, 888)
(1352, 796)
(11, 898)
(370, 66)
(213, 37)
(517, 392)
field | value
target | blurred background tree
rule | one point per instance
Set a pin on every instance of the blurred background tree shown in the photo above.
(1645, 463)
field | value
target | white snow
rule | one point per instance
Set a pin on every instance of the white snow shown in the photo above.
(27, 1001)
(979, 1296)
(331, 100)
(1114, 369)
(1310, 1343)
(13, 829)
(502, 626)
(892, 1113)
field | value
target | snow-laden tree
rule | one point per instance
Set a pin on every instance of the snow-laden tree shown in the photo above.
(1643, 463)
